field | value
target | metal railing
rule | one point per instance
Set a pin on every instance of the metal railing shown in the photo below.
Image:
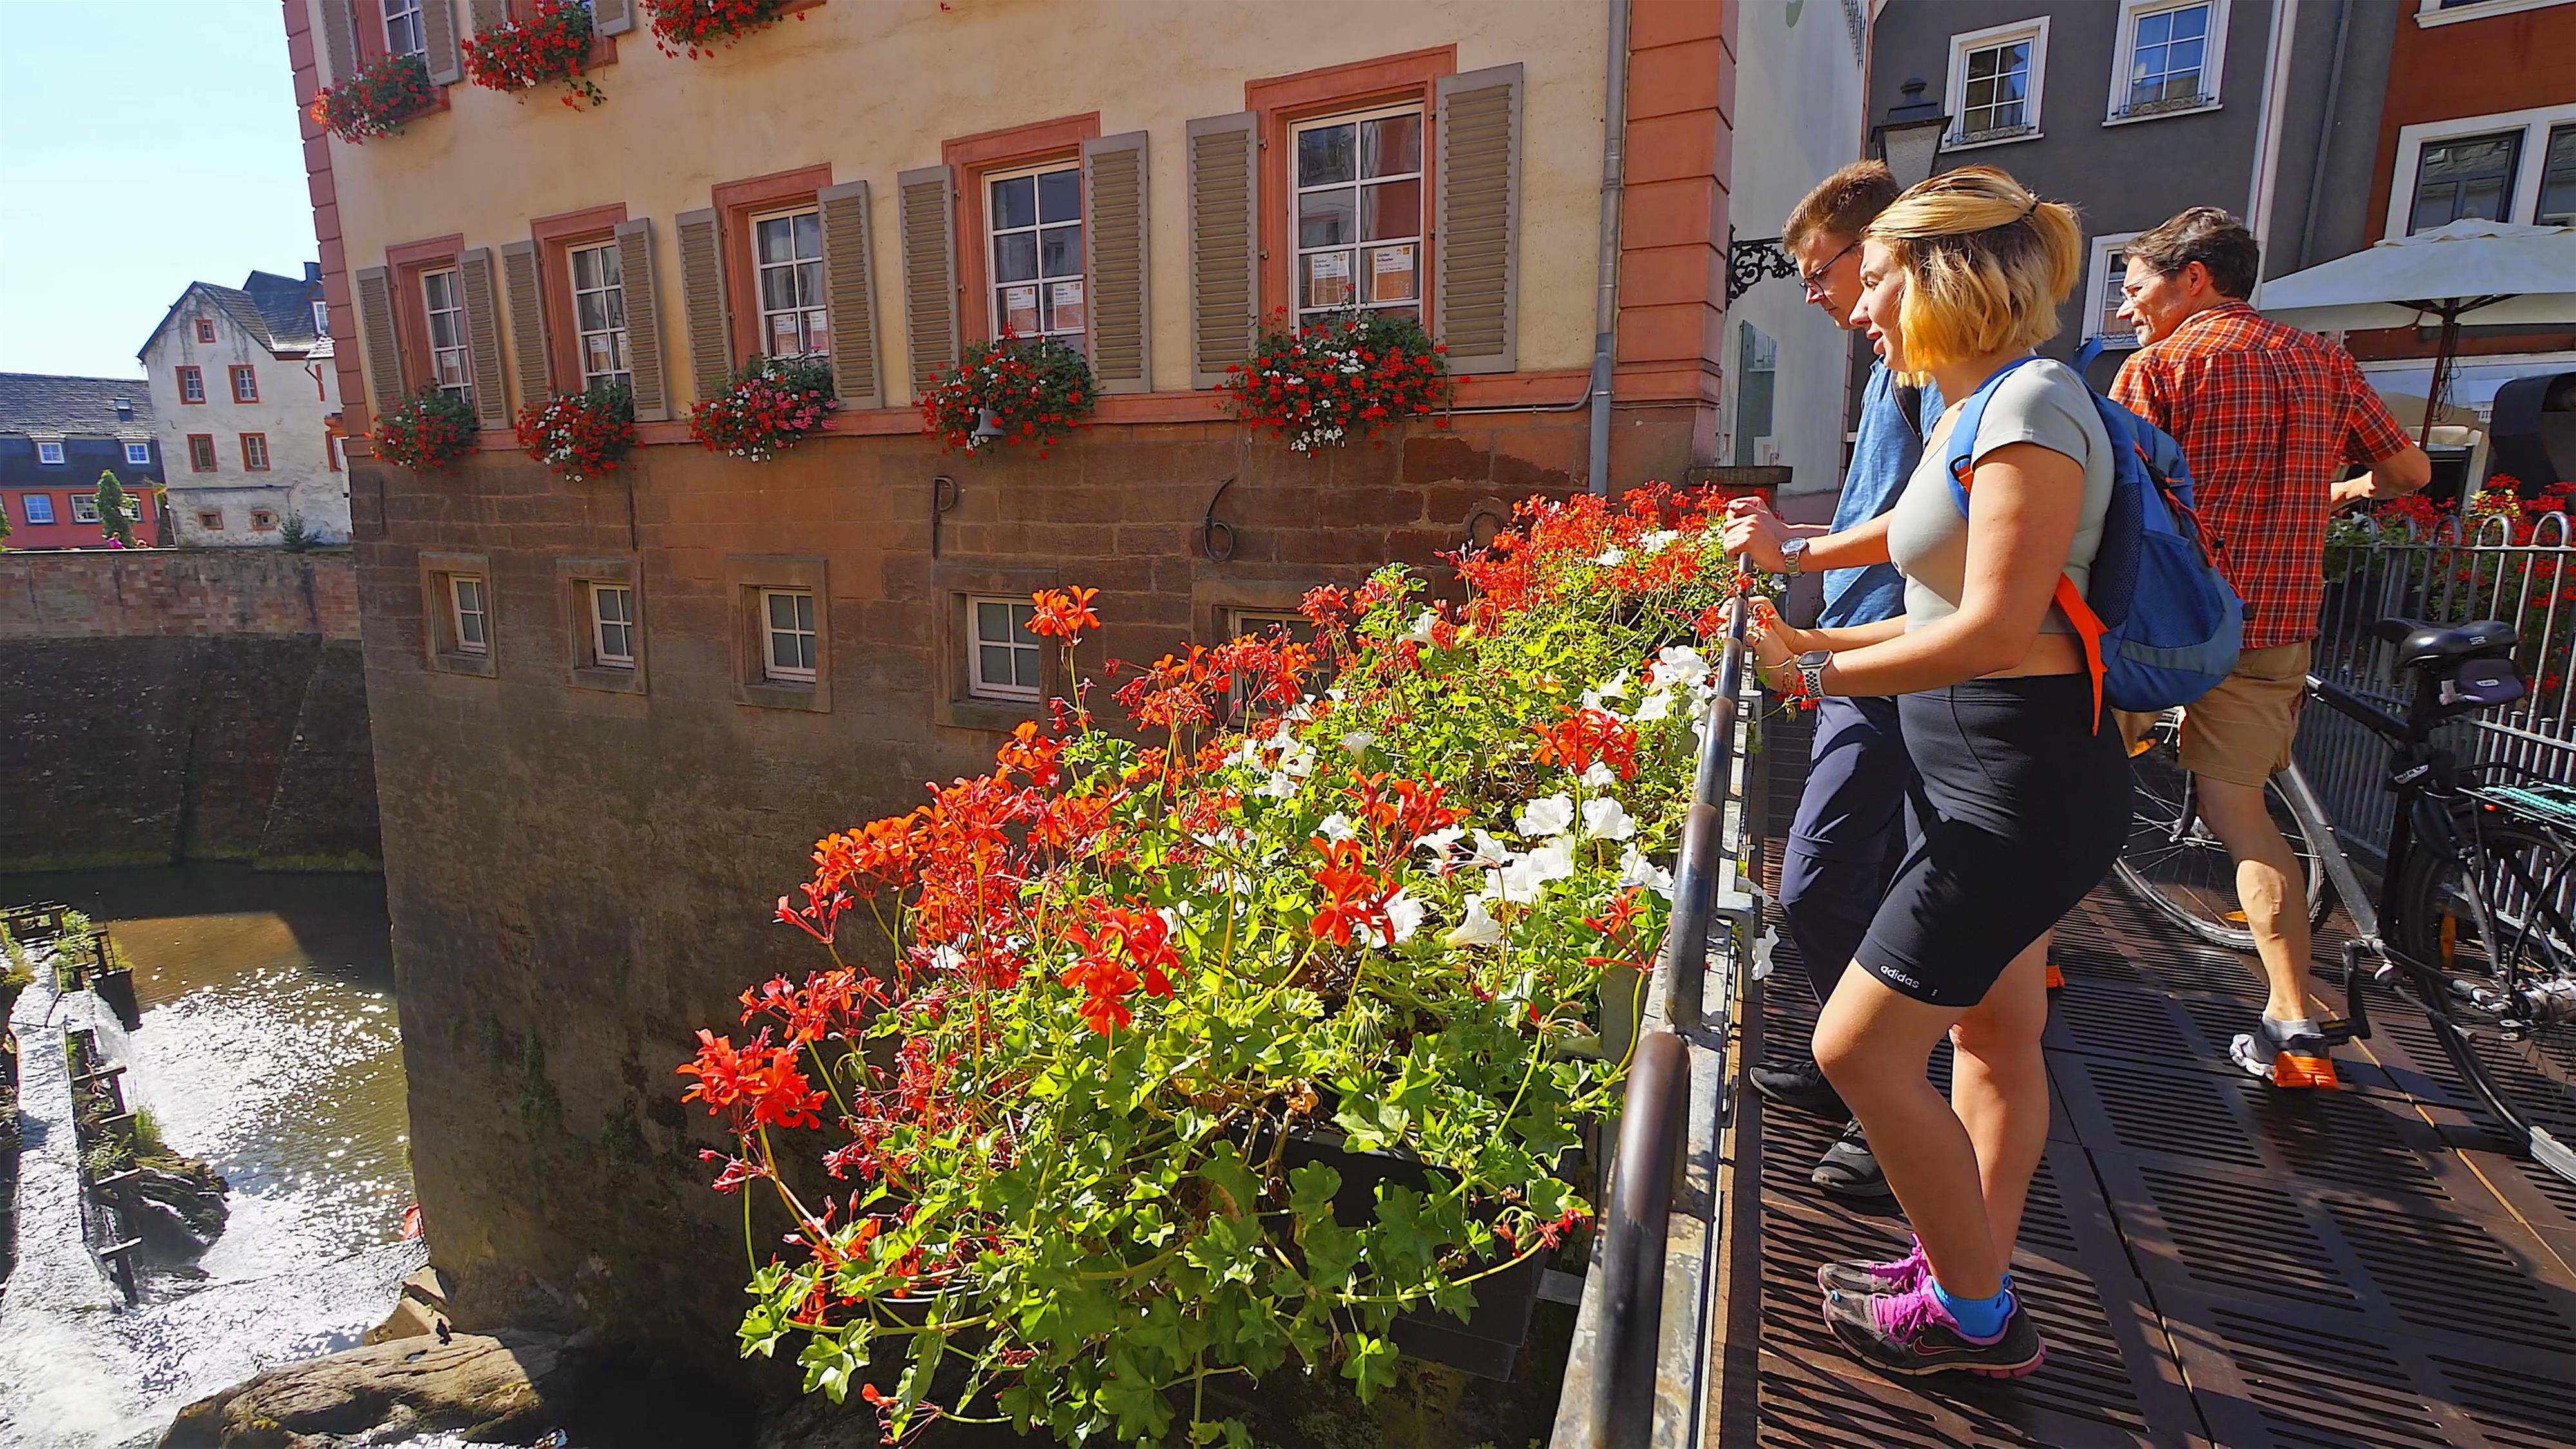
(2453, 575)
(1638, 1371)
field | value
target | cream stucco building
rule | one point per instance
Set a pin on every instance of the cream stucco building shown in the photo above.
(246, 397)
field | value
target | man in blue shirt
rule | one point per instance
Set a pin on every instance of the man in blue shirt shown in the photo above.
(1849, 832)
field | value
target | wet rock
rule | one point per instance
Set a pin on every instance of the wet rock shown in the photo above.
(187, 1190)
(422, 1308)
(493, 1388)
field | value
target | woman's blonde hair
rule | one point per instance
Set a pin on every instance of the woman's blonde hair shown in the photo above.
(1986, 265)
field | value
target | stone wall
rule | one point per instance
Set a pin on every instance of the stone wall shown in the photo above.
(580, 877)
(172, 704)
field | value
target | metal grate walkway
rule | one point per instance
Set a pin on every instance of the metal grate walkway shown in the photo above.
(2212, 1262)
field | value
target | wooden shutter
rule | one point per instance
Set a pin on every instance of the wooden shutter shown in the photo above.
(339, 39)
(646, 375)
(489, 13)
(702, 294)
(1113, 182)
(483, 337)
(1225, 233)
(376, 331)
(1476, 250)
(519, 286)
(612, 17)
(849, 291)
(929, 272)
(438, 35)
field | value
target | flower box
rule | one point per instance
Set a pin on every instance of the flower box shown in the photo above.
(1012, 392)
(699, 28)
(376, 101)
(553, 44)
(580, 435)
(429, 430)
(1345, 379)
(768, 407)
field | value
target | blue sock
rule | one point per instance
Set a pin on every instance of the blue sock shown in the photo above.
(1977, 1317)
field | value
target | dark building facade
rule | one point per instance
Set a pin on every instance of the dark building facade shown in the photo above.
(57, 435)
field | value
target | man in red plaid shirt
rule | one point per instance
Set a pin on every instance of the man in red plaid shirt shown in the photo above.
(2268, 417)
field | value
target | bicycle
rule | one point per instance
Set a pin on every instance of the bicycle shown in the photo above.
(2474, 921)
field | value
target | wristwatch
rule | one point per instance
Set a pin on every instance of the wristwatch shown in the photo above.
(1811, 668)
(1793, 555)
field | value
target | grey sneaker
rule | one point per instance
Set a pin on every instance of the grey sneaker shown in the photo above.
(2285, 1053)
(1862, 1279)
(1911, 1334)
(1849, 1170)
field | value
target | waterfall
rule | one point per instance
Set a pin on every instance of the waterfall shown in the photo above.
(58, 1384)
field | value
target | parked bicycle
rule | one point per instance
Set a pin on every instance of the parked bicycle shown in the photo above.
(2474, 921)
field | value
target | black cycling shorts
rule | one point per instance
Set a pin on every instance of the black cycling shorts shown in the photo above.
(2022, 806)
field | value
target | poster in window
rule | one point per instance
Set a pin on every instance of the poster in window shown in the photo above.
(1391, 273)
(1064, 306)
(1020, 309)
(1328, 279)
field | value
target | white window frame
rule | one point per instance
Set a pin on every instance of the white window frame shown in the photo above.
(760, 292)
(188, 375)
(35, 500)
(458, 352)
(1420, 240)
(205, 329)
(265, 463)
(613, 337)
(2546, 134)
(2102, 290)
(2213, 58)
(2429, 13)
(458, 613)
(49, 454)
(214, 455)
(2535, 124)
(233, 376)
(321, 319)
(85, 508)
(809, 627)
(1009, 690)
(1077, 338)
(600, 623)
(138, 455)
(395, 11)
(1955, 100)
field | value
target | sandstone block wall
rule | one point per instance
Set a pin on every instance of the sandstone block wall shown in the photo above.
(171, 704)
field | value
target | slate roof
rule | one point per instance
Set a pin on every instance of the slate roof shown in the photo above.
(35, 402)
(276, 311)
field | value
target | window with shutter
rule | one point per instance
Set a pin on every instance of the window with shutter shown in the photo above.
(1357, 214)
(339, 39)
(521, 290)
(703, 295)
(376, 328)
(929, 272)
(1033, 242)
(849, 293)
(1225, 294)
(612, 17)
(1121, 334)
(599, 315)
(1477, 313)
(646, 376)
(483, 337)
(437, 20)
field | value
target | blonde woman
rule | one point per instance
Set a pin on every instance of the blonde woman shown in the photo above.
(2022, 794)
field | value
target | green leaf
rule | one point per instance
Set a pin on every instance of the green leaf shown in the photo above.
(1332, 1251)
(1311, 1190)
(1371, 1364)
(1239, 1192)
(1229, 1251)
(1372, 1122)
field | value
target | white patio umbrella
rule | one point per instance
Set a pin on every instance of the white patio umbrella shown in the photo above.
(2487, 272)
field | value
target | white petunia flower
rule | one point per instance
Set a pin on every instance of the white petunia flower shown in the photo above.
(1599, 776)
(1655, 706)
(1405, 914)
(1356, 743)
(1612, 558)
(1636, 870)
(1615, 687)
(1606, 819)
(1546, 815)
(1679, 664)
(1421, 631)
(1336, 826)
(1280, 786)
(1488, 853)
(1478, 929)
(1439, 841)
(1657, 541)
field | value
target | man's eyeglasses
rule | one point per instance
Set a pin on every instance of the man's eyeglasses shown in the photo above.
(1815, 280)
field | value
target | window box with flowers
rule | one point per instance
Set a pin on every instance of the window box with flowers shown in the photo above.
(1339, 379)
(771, 405)
(580, 435)
(698, 28)
(1208, 1052)
(429, 431)
(1012, 392)
(377, 100)
(553, 44)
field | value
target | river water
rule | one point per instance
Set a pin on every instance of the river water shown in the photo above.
(268, 1048)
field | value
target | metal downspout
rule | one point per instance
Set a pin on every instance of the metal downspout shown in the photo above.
(1614, 171)
(2325, 138)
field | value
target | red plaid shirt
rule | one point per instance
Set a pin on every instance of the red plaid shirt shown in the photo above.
(2266, 416)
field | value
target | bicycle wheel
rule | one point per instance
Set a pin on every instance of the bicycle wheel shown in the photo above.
(2173, 863)
(2498, 935)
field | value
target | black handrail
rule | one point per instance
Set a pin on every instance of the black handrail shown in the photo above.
(1654, 1114)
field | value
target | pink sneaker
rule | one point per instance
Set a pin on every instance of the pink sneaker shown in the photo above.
(1863, 1279)
(1910, 1333)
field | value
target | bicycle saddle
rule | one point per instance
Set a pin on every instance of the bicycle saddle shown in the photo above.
(2419, 642)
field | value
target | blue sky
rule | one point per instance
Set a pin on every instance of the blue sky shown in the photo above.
(144, 145)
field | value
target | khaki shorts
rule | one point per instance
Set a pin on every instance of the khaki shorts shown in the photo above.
(2240, 732)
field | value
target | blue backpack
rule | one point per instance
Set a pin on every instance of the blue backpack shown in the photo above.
(2161, 626)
